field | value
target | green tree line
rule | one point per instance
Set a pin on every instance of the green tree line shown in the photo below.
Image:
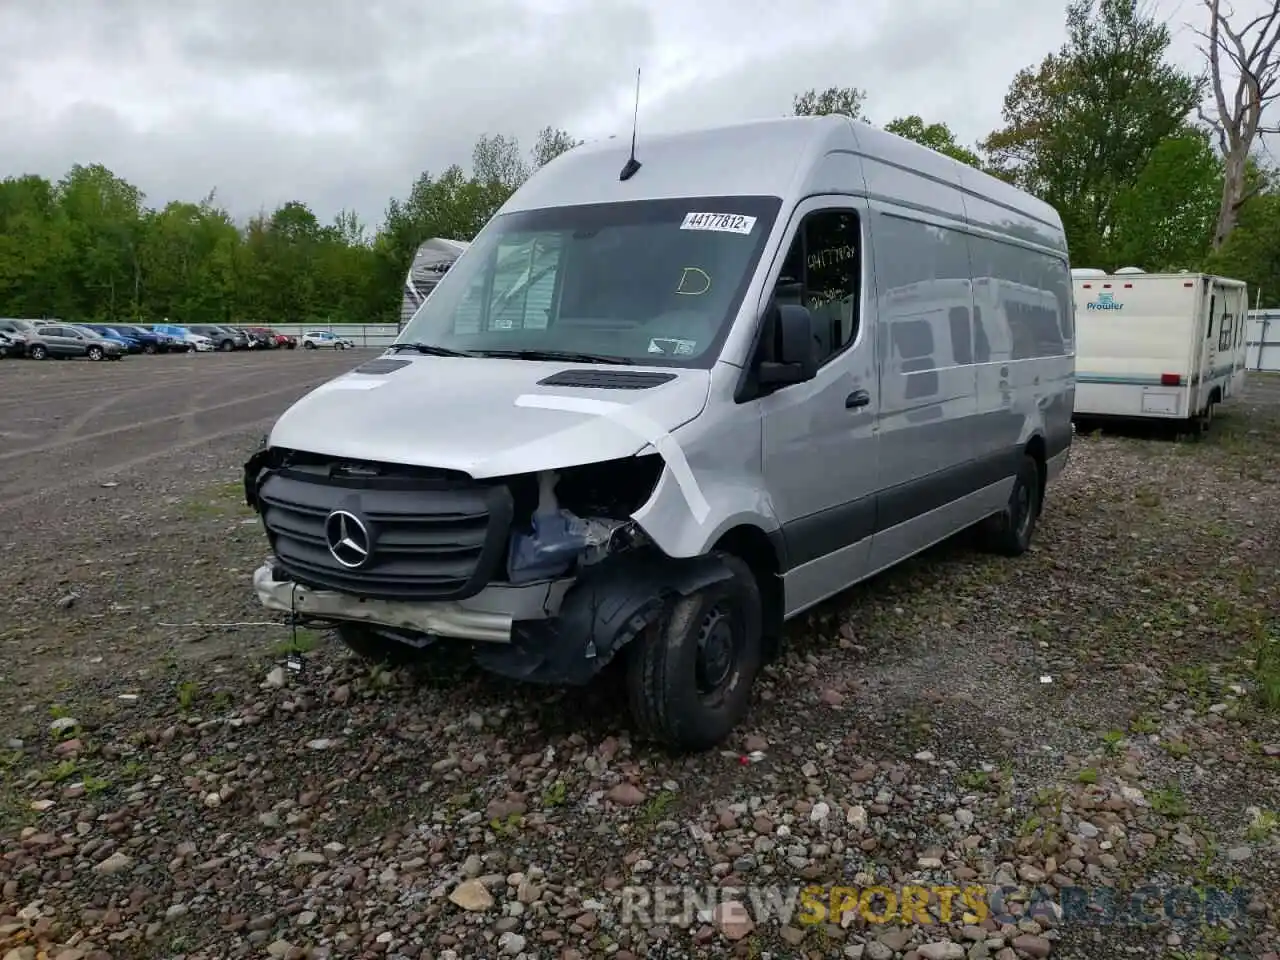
(1105, 129)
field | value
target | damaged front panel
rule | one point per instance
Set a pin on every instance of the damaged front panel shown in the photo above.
(549, 571)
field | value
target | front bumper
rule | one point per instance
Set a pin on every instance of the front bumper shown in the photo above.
(488, 616)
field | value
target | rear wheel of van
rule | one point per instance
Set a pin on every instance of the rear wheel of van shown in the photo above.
(1009, 532)
(689, 676)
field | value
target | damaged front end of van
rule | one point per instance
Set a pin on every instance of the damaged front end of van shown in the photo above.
(524, 531)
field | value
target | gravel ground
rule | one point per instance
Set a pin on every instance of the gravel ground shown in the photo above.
(1092, 716)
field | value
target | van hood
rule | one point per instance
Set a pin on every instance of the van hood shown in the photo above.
(487, 417)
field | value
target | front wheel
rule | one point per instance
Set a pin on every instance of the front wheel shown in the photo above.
(1009, 532)
(689, 676)
(37, 352)
(95, 353)
(149, 348)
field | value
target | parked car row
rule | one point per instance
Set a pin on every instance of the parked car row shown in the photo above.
(44, 339)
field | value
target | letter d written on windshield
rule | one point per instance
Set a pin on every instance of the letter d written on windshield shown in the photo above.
(694, 282)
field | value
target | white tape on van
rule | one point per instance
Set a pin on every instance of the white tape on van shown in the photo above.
(644, 428)
(350, 385)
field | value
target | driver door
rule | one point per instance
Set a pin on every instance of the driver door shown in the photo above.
(820, 464)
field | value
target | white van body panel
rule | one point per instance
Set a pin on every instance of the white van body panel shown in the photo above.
(954, 362)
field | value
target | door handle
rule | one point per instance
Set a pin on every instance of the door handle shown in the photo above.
(859, 398)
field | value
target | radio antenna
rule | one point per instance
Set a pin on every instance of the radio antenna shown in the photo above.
(632, 166)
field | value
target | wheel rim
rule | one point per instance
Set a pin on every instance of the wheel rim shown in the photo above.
(95, 354)
(1023, 509)
(717, 654)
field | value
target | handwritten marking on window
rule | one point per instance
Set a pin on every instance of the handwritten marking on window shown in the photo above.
(832, 256)
(694, 282)
(821, 298)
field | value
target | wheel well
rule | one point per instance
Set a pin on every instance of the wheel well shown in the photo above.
(752, 546)
(1215, 395)
(1036, 449)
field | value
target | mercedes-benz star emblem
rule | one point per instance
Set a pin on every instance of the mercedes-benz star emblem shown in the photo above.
(348, 539)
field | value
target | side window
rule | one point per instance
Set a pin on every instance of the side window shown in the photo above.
(1225, 332)
(823, 269)
(1213, 302)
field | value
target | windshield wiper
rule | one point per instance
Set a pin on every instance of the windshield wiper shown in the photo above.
(569, 355)
(430, 349)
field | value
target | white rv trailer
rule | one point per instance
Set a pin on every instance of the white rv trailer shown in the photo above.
(1157, 346)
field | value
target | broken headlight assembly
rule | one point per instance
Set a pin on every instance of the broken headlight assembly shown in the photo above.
(577, 516)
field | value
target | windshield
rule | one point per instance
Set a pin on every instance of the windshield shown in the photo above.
(647, 281)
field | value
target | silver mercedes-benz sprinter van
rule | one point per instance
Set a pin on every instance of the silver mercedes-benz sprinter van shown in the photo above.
(665, 402)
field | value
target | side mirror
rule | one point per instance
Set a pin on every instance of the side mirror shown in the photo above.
(796, 358)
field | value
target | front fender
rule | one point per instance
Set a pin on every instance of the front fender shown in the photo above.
(611, 604)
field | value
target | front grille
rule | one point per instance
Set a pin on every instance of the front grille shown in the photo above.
(430, 537)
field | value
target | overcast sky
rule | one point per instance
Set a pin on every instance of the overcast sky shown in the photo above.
(341, 103)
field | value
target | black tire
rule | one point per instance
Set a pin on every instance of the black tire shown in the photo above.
(1010, 531)
(674, 697)
(149, 348)
(307, 344)
(94, 353)
(38, 351)
(226, 346)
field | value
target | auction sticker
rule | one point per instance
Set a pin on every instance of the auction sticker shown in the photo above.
(719, 222)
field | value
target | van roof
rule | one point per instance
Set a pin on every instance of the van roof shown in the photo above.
(790, 157)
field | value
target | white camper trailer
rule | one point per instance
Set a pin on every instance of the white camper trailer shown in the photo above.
(1157, 346)
(431, 261)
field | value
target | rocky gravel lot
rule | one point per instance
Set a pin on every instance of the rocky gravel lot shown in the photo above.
(1103, 714)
